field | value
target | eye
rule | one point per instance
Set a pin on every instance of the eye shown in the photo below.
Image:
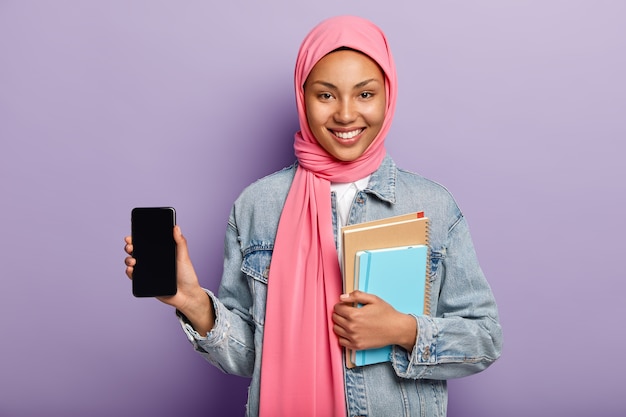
(366, 95)
(325, 96)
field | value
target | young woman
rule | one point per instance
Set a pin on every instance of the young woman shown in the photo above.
(280, 316)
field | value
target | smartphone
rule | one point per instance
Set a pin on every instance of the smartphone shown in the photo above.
(154, 249)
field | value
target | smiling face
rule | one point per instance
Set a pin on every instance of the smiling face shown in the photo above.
(344, 97)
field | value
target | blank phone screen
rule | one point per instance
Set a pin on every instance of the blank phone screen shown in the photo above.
(154, 249)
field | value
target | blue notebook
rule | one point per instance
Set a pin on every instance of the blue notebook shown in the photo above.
(398, 276)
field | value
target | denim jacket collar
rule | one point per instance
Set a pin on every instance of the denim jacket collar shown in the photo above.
(383, 181)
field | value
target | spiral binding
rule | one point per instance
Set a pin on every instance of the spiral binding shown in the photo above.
(427, 290)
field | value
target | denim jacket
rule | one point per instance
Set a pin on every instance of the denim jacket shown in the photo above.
(462, 337)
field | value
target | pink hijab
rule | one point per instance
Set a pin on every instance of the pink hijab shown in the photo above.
(302, 362)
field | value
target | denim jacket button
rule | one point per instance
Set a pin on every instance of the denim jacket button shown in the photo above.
(426, 354)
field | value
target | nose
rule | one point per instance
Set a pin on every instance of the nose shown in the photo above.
(345, 112)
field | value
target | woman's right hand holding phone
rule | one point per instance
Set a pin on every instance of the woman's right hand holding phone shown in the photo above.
(190, 299)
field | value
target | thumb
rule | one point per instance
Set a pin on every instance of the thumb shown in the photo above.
(358, 297)
(181, 244)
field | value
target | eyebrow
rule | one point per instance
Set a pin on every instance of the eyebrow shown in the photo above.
(358, 85)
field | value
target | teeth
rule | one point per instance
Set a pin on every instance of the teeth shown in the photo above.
(348, 135)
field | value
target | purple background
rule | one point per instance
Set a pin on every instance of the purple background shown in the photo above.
(519, 108)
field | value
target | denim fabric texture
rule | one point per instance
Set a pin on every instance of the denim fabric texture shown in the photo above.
(462, 337)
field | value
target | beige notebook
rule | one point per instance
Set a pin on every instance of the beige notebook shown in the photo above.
(404, 230)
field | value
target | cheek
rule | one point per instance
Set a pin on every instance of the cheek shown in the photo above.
(316, 123)
(314, 117)
(377, 115)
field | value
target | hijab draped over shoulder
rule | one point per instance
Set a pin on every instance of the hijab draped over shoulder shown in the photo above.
(302, 361)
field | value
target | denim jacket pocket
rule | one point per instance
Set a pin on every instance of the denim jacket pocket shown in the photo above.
(256, 267)
(437, 256)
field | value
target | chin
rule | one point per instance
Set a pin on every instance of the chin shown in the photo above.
(343, 157)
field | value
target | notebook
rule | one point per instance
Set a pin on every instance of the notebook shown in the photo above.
(398, 276)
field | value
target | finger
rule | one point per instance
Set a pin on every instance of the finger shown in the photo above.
(344, 337)
(341, 333)
(343, 310)
(340, 336)
(128, 247)
(339, 320)
(130, 263)
(343, 342)
(344, 326)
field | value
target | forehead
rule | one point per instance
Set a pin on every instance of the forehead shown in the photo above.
(345, 65)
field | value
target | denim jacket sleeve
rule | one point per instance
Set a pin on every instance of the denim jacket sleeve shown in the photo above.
(230, 344)
(234, 345)
(463, 336)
